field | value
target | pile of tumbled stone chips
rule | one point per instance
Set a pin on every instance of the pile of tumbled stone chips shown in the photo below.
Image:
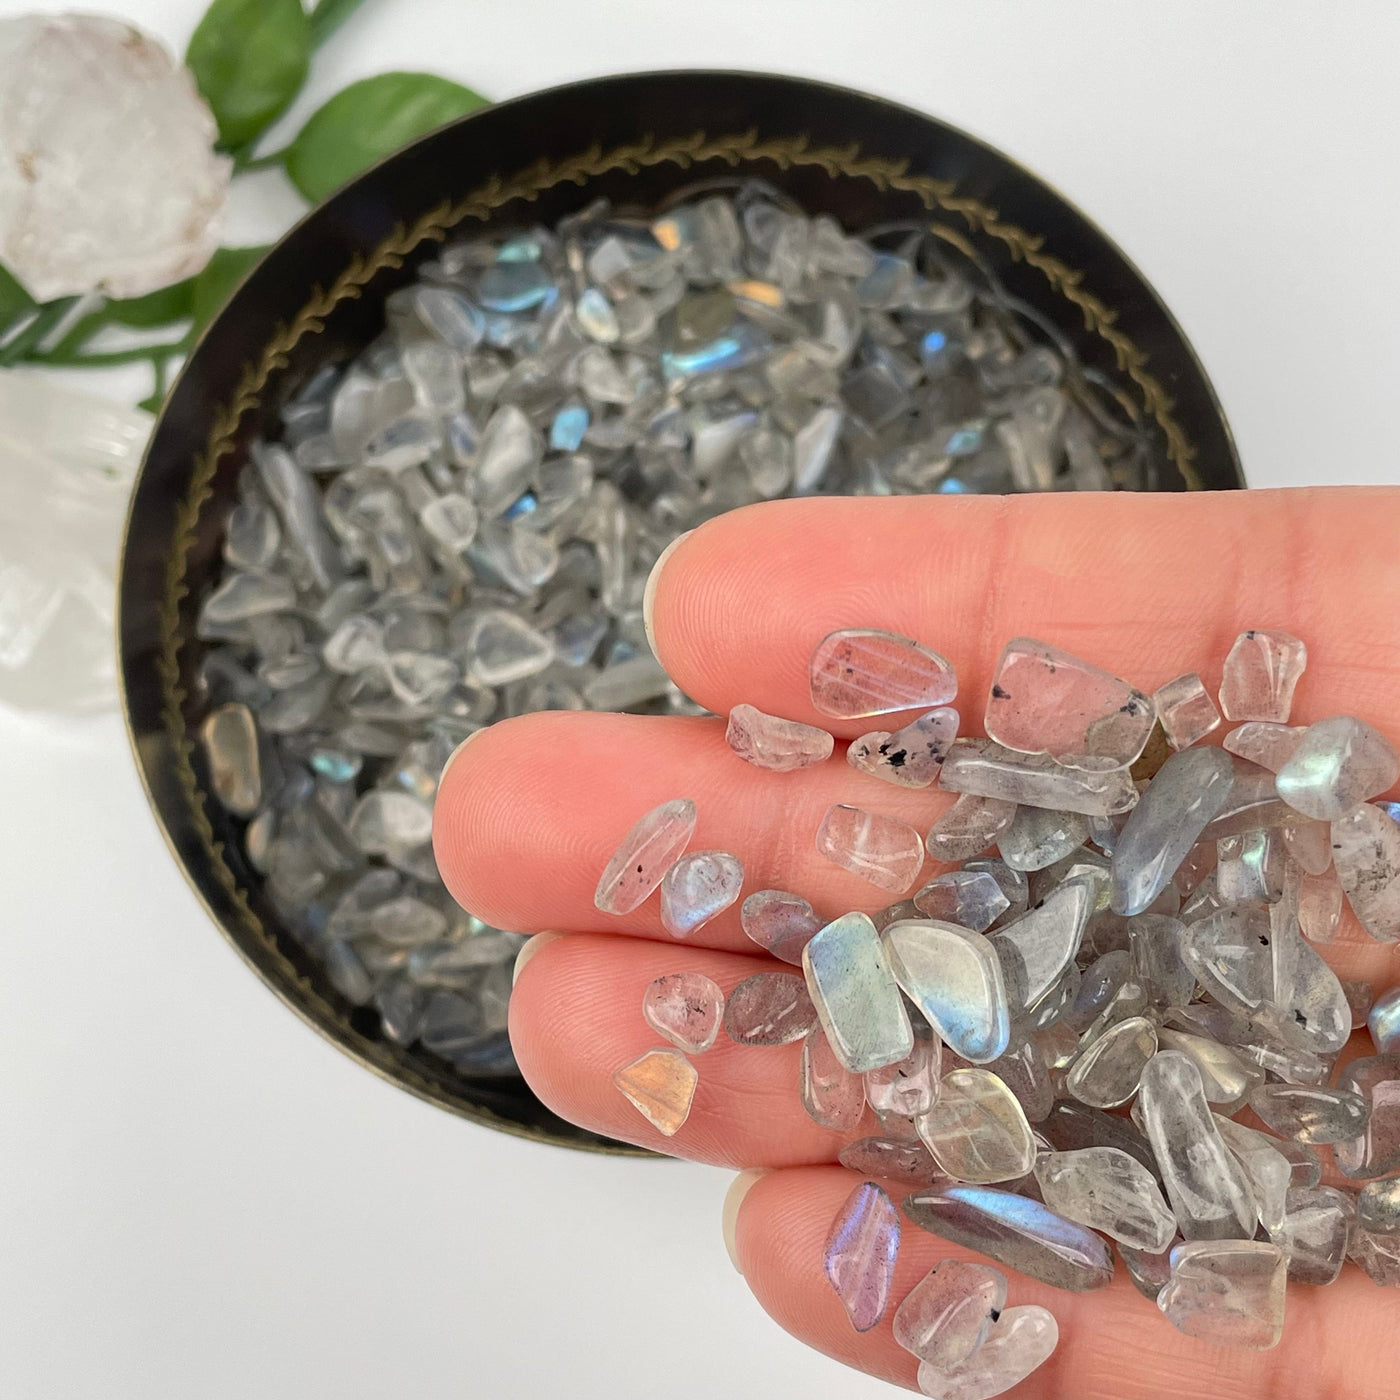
(457, 526)
(1131, 921)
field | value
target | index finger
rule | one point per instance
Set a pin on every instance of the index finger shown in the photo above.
(1146, 586)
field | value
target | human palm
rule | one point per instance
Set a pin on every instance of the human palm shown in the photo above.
(1146, 586)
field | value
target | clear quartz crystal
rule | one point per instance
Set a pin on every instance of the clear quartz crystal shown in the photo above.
(1037, 949)
(860, 671)
(1108, 1190)
(1206, 1187)
(1313, 1235)
(1261, 673)
(908, 757)
(1185, 710)
(780, 923)
(644, 856)
(860, 1254)
(230, 737)
(883, 850)
(698, 886)
(686, 1008)
(660, 1084)
(777, 744)
(854, 992)
(947, 1315)
(1019, 1343)
(1375, 1151)
(1044, 700)
(1228, 1293)
(977, 1130)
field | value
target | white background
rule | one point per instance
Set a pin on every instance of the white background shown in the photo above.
(199, 1197)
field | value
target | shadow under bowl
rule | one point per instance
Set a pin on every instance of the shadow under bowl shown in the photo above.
(636, 140)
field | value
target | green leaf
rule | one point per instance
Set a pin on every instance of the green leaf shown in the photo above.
(14, 300)
(249, 58)
(327, 16)
(156, 308)
(367, 121)
(223, 272)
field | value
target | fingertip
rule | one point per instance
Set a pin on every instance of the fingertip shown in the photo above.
(739, 1188)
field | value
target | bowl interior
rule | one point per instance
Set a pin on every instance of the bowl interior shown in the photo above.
(638, 142)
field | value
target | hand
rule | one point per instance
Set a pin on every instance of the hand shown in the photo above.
(1145, 586)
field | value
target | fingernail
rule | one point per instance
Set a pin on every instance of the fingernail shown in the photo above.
(729, 1216)
(649, 592)
(452, 757)
(528, 951)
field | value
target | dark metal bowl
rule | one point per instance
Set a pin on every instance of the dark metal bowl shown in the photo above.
(317, 297)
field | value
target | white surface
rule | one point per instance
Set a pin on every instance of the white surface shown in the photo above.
(202, 1200)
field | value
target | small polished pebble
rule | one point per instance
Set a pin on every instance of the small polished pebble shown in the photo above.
(947, 1315)
(1319, 906)
(1266, 744)
(1108, 1072)
(1338, 764)
(1188, 791)
(1227, 1292)
(1268, 1172)
(1044, 700)
(860, 1254)
(1366, 851)
(908, 757)
(1040, 836)
(769, 1008)
(972, 899)
(1261, 673)
(699, 885)
(1019, 1343)
(1148, 1269)
(1378, 1206)
(230, 736)
(863, 671)
(686, 1008)
(1314, 1234)
(953, 977)
(644, 856)
(1383, 1021)
(831, 1094)
(1309, 1114)
(781, 745)
(780, 923)
(1108, 1190)
(1251, 867)
(855, 995)
(977, 1130)
(884, 850)
(660, 1084)
(1185, 710)
(969, 827)
(1309, 846)
(985, 768)
(1375, 1151)
(892, 1159)
(1226, 1078)
(1017, 1231)
(1206, 1187)
(908, 1088)
(1039, 947)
